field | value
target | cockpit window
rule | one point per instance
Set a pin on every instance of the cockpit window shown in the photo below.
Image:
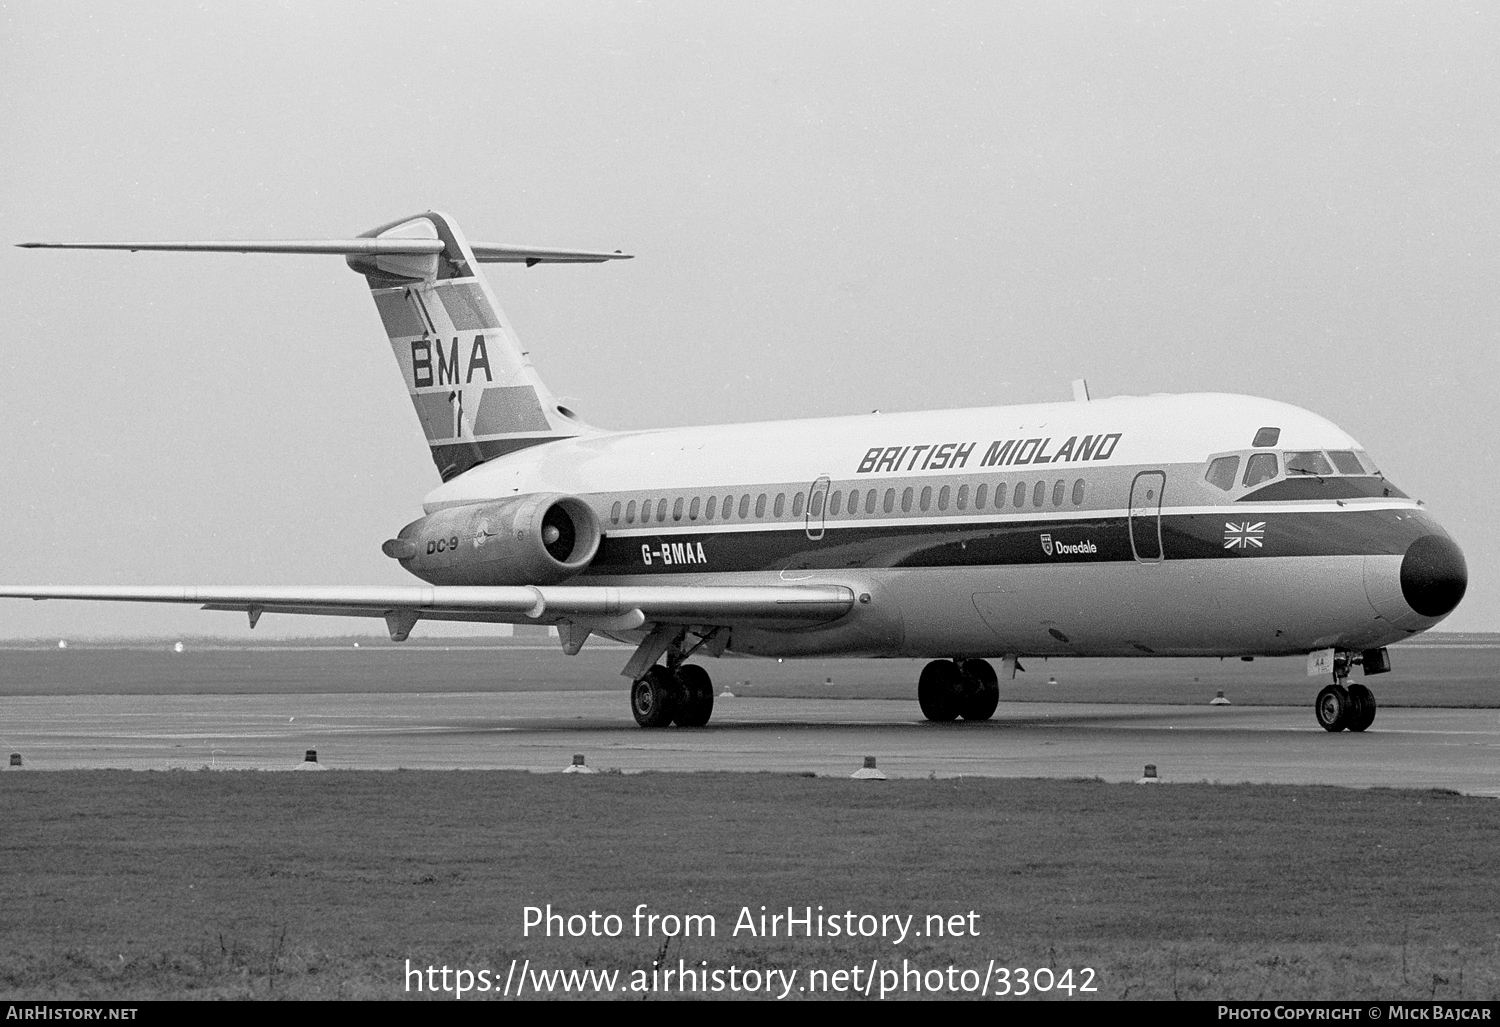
(1222, 472)
(1346, 462)
(1266, 437)
(1308, 463)
(1260, 467)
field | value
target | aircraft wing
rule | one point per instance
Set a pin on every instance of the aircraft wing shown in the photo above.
(599, 607)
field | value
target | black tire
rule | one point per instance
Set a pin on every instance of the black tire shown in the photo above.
(1363, 714)
(696, 689)
(984, 690)
(653, 699)
(939, 690)
(1333, 708)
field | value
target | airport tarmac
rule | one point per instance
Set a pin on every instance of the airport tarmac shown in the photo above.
(541, 731)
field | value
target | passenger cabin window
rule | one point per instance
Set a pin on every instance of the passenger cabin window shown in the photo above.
(1222, 472)
(630, 512)
(693, 509)
(815, 508)
(708, 511)
(780, 504)
(1346, 462)
(963, 497)
(677, 509)
(614, 514)
(1266, 437)
(760, 505)
(1019, 499)
(926, 501)
(835, 502)
(906, 498)
(979, 496)
(853, 502)
(797, 505)
(745, 506)
(890, 500)
(1308, 463)
(1260, 467)
(870, 500)
(661, 510)
(1078, 492)
(1039, 494)
(943, 495)
(1057, 493)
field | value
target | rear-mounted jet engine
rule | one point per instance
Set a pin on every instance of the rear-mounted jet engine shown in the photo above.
(530, 540)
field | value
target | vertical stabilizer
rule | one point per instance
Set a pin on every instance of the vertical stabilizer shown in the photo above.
(474, 389)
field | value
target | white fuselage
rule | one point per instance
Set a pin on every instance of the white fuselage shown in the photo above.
(1090, 528)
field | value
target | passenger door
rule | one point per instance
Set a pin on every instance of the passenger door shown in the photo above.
(817, 508)
(1145, 515)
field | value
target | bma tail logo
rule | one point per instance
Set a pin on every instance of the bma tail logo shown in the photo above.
(1245, 535)
(1047, 544)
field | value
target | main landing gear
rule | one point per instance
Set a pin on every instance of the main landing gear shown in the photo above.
(684, 695)
(1342, 706)
(949, 689)
(679, 692)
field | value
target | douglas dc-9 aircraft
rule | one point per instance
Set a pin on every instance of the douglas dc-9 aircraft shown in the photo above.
(1192, 525)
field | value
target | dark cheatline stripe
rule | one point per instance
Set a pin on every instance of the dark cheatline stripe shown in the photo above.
(455, 458)
(1313, 487)
(1101, 540)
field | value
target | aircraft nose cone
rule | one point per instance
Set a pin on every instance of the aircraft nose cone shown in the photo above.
(1434, 576)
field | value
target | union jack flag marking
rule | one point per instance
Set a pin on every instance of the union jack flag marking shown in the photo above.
(1243, 536)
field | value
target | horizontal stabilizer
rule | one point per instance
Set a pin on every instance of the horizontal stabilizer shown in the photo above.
(485, 253)
(500, 253)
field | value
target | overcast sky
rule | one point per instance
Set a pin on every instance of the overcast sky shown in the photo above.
(835, 208)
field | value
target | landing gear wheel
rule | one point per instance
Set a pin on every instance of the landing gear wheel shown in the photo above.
(940, 690)
(1333, 708)
(696, 690)
(1363, 714)
(984, 690)
(653, 699)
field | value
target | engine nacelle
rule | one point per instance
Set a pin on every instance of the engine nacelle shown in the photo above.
(530, 540)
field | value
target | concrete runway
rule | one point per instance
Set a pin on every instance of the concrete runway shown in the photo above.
(540, 731)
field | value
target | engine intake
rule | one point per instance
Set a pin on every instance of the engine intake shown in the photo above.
(540, 539)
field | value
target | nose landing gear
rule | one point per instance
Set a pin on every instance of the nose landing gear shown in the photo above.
(1341, 707)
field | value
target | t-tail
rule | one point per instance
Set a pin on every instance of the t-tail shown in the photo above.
(473, 387)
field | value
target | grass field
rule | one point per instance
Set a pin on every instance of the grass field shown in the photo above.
(147, 885)
(1423, 675)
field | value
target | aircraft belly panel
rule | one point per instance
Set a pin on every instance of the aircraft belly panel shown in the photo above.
(1269, 606)
(1189, 608)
